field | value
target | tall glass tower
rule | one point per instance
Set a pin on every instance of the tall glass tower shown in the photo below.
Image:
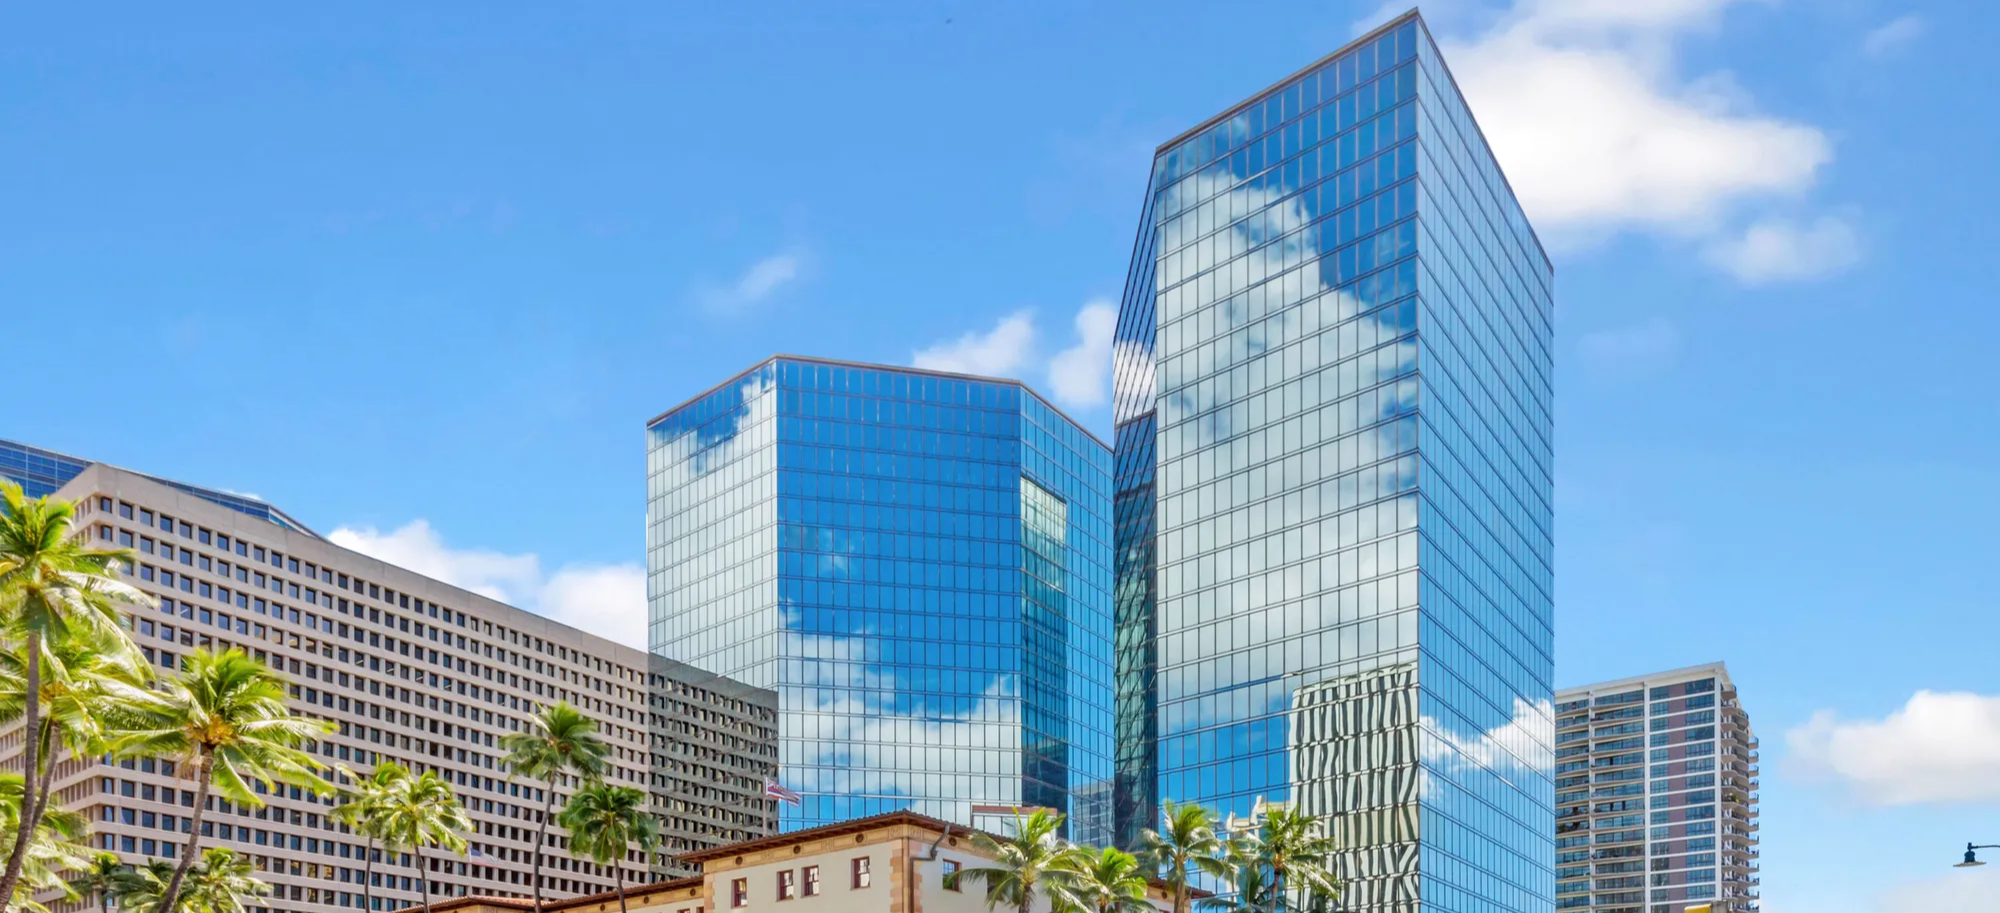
(918, 563)
(1333, 497)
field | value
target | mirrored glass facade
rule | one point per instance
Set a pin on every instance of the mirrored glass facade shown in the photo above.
(1334, 483)
(918, 563)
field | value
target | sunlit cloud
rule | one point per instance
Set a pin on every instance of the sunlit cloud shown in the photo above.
(1600, 132)
(1937, 747)
(608, 600)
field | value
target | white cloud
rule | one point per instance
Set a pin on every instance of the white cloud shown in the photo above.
(1596, 131)
(1894, 35)
(1939, 747)
(1781, 250)
(1079, 375)
(1645, 346)
(1516, 746)
(995, 353)
(1600, 133)
(756, 284)
(606, 600)
(1956, 891)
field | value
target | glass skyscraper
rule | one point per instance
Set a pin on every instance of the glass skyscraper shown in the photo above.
(918, 563)
(1333, 484)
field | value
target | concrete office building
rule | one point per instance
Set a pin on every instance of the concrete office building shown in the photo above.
(413, 671)
(1334, 488)
(1656, 795)
(917, 562)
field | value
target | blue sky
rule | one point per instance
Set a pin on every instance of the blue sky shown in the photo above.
(421, 275)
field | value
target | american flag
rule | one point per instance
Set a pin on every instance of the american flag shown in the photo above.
(777, 791)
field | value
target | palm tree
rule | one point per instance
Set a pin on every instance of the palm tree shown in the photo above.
(559, 741)
(103, 877)
(422, 811)
(360, 810)
(139, 889)
(86, 688)
(1034, 860)
(1249, 890)
(1109, 881)
(54, 586)
(1291, 845)
(216, 884)
(604, 821)
(223, 720)
(55, 845)
(220, 882)
(1188, 841)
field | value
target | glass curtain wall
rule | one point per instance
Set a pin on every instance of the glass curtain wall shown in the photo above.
(1334, 448)
(919, 565)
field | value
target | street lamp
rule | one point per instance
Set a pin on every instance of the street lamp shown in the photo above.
(1971, 859)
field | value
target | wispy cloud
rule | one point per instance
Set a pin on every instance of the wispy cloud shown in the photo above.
(1894, 35)
(1783, 250)
(1938, 747)
(757, 283)
(1598, 130)
(1646, 346)
(608, 600)
(1953, 891)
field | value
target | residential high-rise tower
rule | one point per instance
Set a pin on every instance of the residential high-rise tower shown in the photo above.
(1333, 491)
(1656, 795)
(918, 563)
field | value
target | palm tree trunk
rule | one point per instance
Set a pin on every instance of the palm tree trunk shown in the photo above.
(368, 878)
(29, 763)
(620, 870)
(48, 771)
(425, 876)
(548, 808)
(203, 773)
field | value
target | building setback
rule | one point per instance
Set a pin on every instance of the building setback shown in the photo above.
(413, 671)
(1656, 795)
(918, 563)
(1333, 492)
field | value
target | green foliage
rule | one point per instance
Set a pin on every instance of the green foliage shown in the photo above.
(219, 883)
(559, 742)
(605, 820)
(1108, 881)
(225, 713)
(1034, 861)
(56, 588)
(55, 845)
(421, 811)
(1187, 844)
(224, 718)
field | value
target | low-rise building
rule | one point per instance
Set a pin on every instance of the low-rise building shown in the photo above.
(900, 862)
